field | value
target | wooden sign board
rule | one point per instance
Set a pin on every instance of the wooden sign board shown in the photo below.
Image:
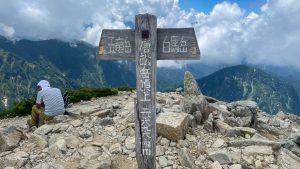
(147, 44)
(116, 44)
(172, 44)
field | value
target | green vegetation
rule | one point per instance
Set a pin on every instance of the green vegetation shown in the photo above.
(248, 83)
(24, 107)
(88, 93)
(125, 88)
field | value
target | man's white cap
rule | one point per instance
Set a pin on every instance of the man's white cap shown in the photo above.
(44, 84)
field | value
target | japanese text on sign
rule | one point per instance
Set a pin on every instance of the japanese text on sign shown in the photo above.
(119, 45)
(144, 61)
(175, 44)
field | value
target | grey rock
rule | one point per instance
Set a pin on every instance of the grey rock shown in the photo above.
(198, 116)
(115, 148)
(90, 152)
(221, 156)
(193, 122)
(235, 166)
(201, 148)
(85, 133)
(9, 138)
(185, 158)
(218, 143)
(105, 162)
(116, 106)
(286, 159)
(190, 85)
(60, 127)
(234, 121)
(59, 147)
(130, 143)
(102, 113)
(104, 122)
(164, 142)
(17, 159)
(292, 146)
(48, 166)
(160, 150)
(61, 118)
(80, 109)
(244, 103)
(72, 142)
(246, 110)
(163, 162)
(172, 126)
(257, 150)
(240, 131)
(39, 140)
(193, 103)
(258, 164)
(215, 165)
(76, 123)
(209, 124)
(129, 131)
(249, 142)
(270, 129)
(44, 129)
(235, 154)
(295, 137)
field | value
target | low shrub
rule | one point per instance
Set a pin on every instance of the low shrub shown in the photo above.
(125, 88)
(24, 107)
(88, 93)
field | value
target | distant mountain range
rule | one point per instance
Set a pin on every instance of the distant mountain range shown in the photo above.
(69, 65)
(247, 83)
(73, 65)
(65, 65)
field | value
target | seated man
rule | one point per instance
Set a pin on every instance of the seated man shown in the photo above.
(49, 103)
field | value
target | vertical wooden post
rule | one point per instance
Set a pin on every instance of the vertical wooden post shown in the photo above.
(145, 110)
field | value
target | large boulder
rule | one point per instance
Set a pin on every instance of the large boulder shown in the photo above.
(245, 112)
(9, 138)
(17, 159)
(172, 126)
(194, 100)
(38, 140)
(190, 85)
(286, 159)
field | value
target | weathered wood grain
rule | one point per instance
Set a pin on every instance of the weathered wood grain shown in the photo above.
(116, 44)
(147, 44)
(177, 44)
(180, 44)
(146, 36)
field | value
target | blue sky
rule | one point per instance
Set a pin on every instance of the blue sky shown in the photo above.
(207, 5)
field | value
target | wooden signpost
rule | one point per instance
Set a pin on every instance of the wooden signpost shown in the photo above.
(147, 44)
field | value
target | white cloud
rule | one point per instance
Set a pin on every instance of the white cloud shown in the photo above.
(226, 35)
(6, 31)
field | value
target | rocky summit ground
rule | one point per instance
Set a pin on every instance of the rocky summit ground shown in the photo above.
(194, 131)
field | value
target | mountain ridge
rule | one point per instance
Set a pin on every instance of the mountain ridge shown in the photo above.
(247, 83)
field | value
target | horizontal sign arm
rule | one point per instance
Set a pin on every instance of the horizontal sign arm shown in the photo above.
(172, 44)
